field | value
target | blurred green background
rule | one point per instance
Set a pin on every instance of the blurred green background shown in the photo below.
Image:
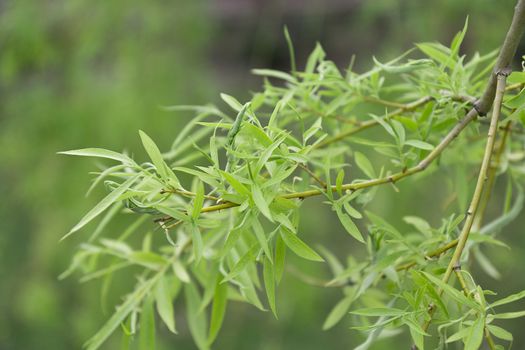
(78, 73)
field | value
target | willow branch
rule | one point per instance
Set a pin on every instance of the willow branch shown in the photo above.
(422, 165)
(482, 178)
(483, 175)
(506, 54)
(491, 177)
(313, 175)
(370, 123)
(432, 254)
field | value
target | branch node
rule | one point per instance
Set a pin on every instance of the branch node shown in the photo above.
(478, 108)
(505, 72)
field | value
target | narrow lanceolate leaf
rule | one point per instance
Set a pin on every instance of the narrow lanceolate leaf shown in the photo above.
(417, 337)
(338, 312)
(147, 326)
(500, 333)
(218, 310)
(509, 299)
(364, 164)
(420, 144)
(180, 271)
(349, 225)
(164, 303)
(232, 102)
(102, 205)
(269, 283)
(299, 247)
(132, 301)
(198, 246)
(155, 156)
(100, 153)
(198, 201)
(260, 202)
(280, 256)
(475, 335)
(196, 320)
(451, 291)
(339, 181)
(510, 315)
(236, 184)
(248, 257)
(275, 74)
(379, 312)
(261, 237)
(290, 49)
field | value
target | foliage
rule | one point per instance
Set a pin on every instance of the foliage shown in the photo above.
(227, 195)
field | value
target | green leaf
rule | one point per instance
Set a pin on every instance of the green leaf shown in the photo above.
(164, 304)
(131, 302)
(475, 335)
(509, 315)
(196, 320)
(261, 237)
(297, 246)
(379, 312)
(420, 144)
(400, 131)
(462, 333)
(516, 78)
(275, 74)
(349, 225)
(198, 246)
(148, 259)
(220, 300)
(260, 202)
(339, 181)
(147, 326)
(339, 310)
(500, 332)
(198, 201)
(232, 102)
(105, 203)
(290, 49)
(509, 299)
(269, 283)
(156, 157)
(280, 255)
(352, 211)
(451, 291)
(437, 52)
(236, 184)
(180, 271)
(101, 153)
(420, 224)
(364, 164)
(236, 127)
(316, 56)
(458, 39)
(417, 338)
(247, 258)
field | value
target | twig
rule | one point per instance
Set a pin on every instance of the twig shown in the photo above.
(365, 125)
(506, 54)
(474, 204)
(432, 254)
(313, 175)
(491, 178)
(482, 178)
(189, 194)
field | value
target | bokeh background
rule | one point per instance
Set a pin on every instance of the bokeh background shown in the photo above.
(80, 73)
